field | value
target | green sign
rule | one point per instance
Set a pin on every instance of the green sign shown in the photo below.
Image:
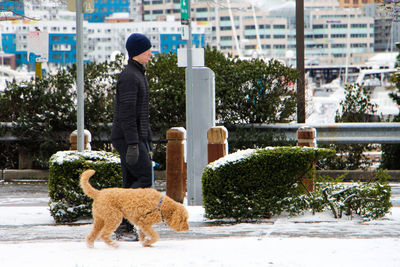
(184, 9)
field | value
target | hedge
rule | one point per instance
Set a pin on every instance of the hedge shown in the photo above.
(68, 203)
(248, 184)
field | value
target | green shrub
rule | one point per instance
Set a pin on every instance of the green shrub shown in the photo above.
(369, 200)
(67, 201)
(248, 184)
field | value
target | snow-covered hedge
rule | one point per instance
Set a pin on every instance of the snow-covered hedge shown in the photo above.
(67, 201)
(248, 184)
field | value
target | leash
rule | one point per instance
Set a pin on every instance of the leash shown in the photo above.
(159, 207)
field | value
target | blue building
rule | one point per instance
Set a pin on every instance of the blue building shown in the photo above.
(105, 8)
(171, 42)
(62, 49)
(15, 6)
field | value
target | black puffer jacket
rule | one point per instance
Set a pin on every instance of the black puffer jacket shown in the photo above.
(131, 105)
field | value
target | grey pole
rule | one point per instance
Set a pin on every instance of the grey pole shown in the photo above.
(79, 74)
(301, 102)
(189, 116)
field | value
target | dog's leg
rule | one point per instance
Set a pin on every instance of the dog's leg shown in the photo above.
(94, 234)
(141, 235)
(150, 236)
(110, 225)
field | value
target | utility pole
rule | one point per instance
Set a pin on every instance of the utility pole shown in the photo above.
(80, 6)
(301, 100)
(186, 21)
(79, 75)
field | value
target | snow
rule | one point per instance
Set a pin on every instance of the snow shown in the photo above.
(65, 156)
(305, 241)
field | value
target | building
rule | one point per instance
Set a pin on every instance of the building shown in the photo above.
(333, 35)
(11, 9)
(102, 39)
(105, 8)
(356, 3)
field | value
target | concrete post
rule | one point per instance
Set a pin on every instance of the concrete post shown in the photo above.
(176, 167)
(306, 137)
(25, 159)
(73, 139)
(217, 143)
(200, 116)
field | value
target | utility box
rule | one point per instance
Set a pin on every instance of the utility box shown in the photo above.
(200, 114)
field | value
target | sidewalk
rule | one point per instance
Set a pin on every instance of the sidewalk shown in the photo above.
(26, 228)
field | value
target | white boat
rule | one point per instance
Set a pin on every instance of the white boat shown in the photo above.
(326, 100)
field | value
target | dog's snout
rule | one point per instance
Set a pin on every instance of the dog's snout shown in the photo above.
(184, 227)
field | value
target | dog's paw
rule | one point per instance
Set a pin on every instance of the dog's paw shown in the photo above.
(147, 241)
(146, 244)
(114, 244)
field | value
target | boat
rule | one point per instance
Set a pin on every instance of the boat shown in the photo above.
(326, 99)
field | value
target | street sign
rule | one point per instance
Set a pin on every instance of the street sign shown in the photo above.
(185, 32)
(38, 43)
(184, 11)
(87, 6)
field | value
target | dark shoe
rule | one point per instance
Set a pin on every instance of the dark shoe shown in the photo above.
(126, 232)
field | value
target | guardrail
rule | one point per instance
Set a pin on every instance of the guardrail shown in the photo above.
(341, 133)
(334, 133)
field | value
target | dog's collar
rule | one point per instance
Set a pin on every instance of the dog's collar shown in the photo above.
(158, 208)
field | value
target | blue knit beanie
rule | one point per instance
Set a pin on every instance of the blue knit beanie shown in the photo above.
(136, 44)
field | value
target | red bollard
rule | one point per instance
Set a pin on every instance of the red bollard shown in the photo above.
(306, 137)
(217, 143)
(176, 165)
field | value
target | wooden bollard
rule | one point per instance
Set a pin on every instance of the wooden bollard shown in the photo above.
(176, 167)
(306, 137)
(217, 143)
(73, 139)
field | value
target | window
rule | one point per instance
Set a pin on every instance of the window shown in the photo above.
(318, 26)
(360, 25)
(338, 26)
(226, 28)
(201, 9)
(338, 35)
(279, 26)
(338, 45)
(250, 27)
(358, 35)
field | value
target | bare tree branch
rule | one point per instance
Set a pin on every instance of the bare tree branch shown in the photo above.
(17, 14)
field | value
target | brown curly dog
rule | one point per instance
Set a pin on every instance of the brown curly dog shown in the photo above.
(142, 207)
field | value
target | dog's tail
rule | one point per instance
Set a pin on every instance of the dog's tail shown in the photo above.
(86, 187)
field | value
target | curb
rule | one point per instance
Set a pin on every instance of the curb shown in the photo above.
(28, 174)
(10, 175)
(14, 175)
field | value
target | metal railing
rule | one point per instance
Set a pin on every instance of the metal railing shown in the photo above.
(334, 133)
(341, 133)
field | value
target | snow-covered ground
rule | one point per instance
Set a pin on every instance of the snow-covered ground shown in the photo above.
(29, 237)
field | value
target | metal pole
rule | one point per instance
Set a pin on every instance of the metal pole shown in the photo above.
(301, 100)
(79, 75)
(189, 114)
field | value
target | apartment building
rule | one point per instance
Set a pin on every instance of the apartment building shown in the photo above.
(339, 36)
(332, 34)
(101, 39)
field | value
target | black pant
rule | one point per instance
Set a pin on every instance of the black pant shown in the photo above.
(140, 174)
